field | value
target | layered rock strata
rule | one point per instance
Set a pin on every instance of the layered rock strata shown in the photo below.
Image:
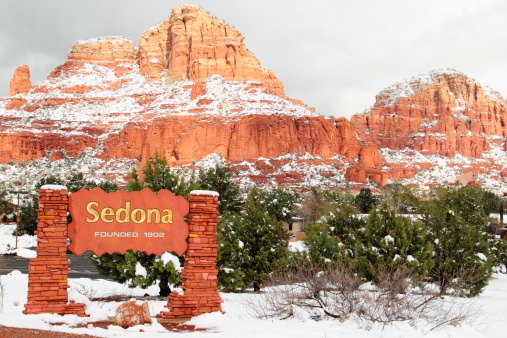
(443, 112)
(20, 82)
(190, 87)
(192, 45)
(440, 115)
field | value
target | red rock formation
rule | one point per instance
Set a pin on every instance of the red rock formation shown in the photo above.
(20, 82)
(131, 314)
(185, 139)
(192, 45)
(191, 88)
(443, 112)
(368, 168)
(108, 89)
(115, 53)
(369, 157)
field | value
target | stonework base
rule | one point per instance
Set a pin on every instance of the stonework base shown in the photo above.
(199, 275)
(48, 272)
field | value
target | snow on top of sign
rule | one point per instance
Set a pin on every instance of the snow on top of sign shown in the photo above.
(204, 192)
(53, 187)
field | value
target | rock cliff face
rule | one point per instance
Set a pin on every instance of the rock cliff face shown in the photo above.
(191, 88)
(189, 138)
(192, 45)
(20, 82)
(369, 167)
(443, 112)
(188, 89)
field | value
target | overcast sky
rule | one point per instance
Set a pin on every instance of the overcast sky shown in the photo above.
(334, 55)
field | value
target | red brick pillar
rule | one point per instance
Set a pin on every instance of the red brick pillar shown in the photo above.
(199, 275)
(47, 274)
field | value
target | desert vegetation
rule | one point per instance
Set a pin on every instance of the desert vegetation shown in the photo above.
(383, 256)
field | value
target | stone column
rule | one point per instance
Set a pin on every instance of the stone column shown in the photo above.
(47, 273)
(199, 275)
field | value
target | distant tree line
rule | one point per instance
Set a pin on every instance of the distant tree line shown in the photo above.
(451, 244)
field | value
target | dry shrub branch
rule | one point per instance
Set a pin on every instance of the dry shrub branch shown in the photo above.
(338, 293)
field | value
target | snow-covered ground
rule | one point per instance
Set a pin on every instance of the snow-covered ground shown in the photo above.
(237, 321)
(8, 242)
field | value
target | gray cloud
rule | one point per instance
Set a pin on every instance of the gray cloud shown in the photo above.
(334, 55)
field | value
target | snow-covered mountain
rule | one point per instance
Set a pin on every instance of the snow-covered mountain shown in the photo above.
(190, 90)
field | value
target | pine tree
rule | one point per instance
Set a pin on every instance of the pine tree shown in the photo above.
(230, 251)
(346, 225)
(77, 181)
(219, 179)
(158, 175)
(365, 200)
(463, 257)
(29, 216)
(252, 242)
(391, 241)
(6, 206)
(280, 203)
(322, 247)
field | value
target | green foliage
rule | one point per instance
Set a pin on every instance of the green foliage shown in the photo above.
(135, 184)
(6, 206)
(230, 251)
(315, 204)
(491, 201)
(251, 242)
(390, 241)
(463, 250)
(323, 248)
(280, 203)
(219, 179)
(471, 203)
(77, 181)
(499, 253)
(158, 175)
(365, 200)
(108, 186)
(400, 198)
(28, 216)
(123, 268)
(347, 226)
(501, 210)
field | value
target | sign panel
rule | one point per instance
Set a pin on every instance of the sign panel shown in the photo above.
(120, 221)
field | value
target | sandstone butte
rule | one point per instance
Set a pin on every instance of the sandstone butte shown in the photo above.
(190, 87)
(441, 113)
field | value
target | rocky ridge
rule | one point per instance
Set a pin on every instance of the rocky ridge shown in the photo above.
(190, 89)
(442, 118)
